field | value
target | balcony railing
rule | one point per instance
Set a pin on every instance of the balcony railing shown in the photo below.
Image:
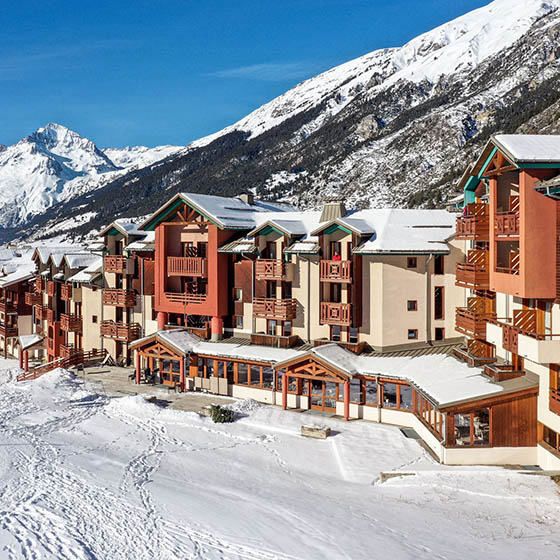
(336, 271)
(120, 331)
(119, 297)
(269, 269)
(554, 401)
(51, 315)
(8, 330)
(513, 267)
(51, 288)
(336, 313)
(33, 298)
(475, 224)
(471, 321)
(68, 350)
(270, 308)
(475, 272)
(502, 372)
(71, 323)
(187, 266)
(41, 312)
(506, 224)
(7, 306)
(66, 292)
(115, 263)
(39, 285)
(185, 298)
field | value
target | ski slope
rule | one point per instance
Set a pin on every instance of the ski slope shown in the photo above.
(85, 476)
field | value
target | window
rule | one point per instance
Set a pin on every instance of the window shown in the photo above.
(439, 305)
(237, 294)
(390, 395)
(336, 333)
(267, 377)
(440, 333)
(411, 262)
(287, 328)
(255, 379)
(371, 392)
(412, 334)
(550, 437)
(287, 290)
(356, 391)
(438, 264)
(412, 305)
(472, 428)
(94, 318)
(353, 335)
(271, 327)
(406, 397)
(242, 374)
(239, 321)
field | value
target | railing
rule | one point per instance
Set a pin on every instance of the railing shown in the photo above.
(510, 339)
(8, 331)
(355, 347)
(67, 350)
(119, 297)
(506, 224)
(480, 349)
(274, 340)
(470, 322)
(66, 292)
(51, 315)
(513, 267)
(41, 312)
(270, 308)
(269, 269)
(33, 298)
(115, 264)
(185, 298)
(336, 271)
(475, 224)
(73, 360)
(502, 372)
(120, 331)
(202, 332)
(554, 401)
(187, 266)
(475, 272)
(39, 285)
(71, 323)
(51, 288)
(336, 313)
(7, 306)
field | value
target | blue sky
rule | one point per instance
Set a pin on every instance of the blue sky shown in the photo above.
(168, 72)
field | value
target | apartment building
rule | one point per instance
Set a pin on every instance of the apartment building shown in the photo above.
(512, 279)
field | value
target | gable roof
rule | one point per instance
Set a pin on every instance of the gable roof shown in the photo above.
(529, 148)
(126, 226)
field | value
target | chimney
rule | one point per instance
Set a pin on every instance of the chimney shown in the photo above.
(332, 210)
(247, 198)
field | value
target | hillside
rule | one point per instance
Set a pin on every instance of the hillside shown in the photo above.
(395, 127)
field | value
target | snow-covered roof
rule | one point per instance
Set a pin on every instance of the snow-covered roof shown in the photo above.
(238, 246)
(529, 148)
(303, 248)
(26, 341)
(45, 253)
(146, 243)
(21, 274)
(80, 260)
(127, 226)
(290, 223)
(88, 274)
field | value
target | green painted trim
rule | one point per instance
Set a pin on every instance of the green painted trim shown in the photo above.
(488, 160)
(270, 229)
(158, 218)
(335, 227)
(538, 165)
(113, 231)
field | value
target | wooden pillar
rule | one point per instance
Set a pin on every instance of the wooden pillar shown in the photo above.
(138, 366)
(20, 358)
(285, 390)
(26, 360)
(347, 400)
(182, 375)
(162, 320)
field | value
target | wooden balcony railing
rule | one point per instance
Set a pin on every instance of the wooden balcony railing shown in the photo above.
(502, 372)
(510, 340)
(470, 323)
(270, 308)
(275, 341)
(115, 263)
(185, 298)
(513, 267)
(120, 331)
(7, 306)
(475, 224)
(41, 312)
(187, 266)
(39, 284)
(475, 272)
(8, 331)
(480, 349)
(71, 323)
(336, 313)
(67, 350)
(66, 292)
(506, 224)
(119, 297)
(336, 271)
(524, 322)
(51, 315)
(554, 401)
(269, 269)
(51, 288)
(33, 298)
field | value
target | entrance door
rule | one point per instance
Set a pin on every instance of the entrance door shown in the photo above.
(323, 395)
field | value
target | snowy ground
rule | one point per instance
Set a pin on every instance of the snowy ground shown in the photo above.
(84, 476)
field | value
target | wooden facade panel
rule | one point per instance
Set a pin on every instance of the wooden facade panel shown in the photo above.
(243, 279)
(514, 423)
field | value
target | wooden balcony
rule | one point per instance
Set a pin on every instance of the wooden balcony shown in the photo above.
(187, 266)
(270, 308)
(355, 347)
(51, 288)
(336, 313)
(475, 224)
(270, 269)
(120, 331)
(275, 341)
(66, 292)
(476, 353)
(475, 272)
(502, 372)
(41, 312)
(185, 298)
(33, 298)
(71, 323)
(506, 224)
(119, 297)
(336, 271)
(51, 315)
(471, 320)
(7, 306)
(39, 285)
(68, 350)
(8, 331)
(513, 266)
(554, 401)
(117, 264)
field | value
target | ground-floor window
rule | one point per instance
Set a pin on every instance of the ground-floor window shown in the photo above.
(431, 417)
(169, 370)
(471, 428)
(550, 437)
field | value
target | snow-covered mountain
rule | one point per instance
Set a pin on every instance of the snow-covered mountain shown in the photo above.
(55, 164)
(395, 127)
